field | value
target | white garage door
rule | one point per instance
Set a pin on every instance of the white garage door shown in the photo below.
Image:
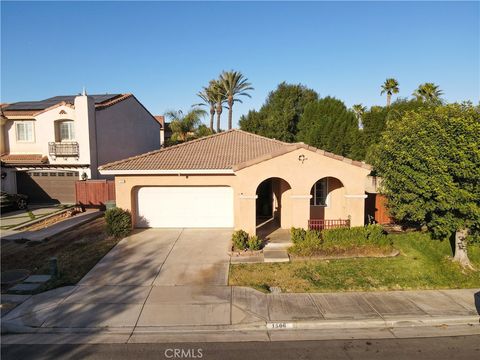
(185, 207)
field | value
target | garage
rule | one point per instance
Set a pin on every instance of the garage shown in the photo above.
(185, 207)
(47, 186)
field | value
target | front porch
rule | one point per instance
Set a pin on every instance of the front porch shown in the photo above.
(277, 208)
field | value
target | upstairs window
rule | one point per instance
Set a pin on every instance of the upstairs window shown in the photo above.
(65, 131)
(319, 193)
(24, 131)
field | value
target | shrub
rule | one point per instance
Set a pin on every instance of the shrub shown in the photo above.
(254, 243)
(240, 239)
(355, 237)
(119, 222)
(310, 245)
(297, 235)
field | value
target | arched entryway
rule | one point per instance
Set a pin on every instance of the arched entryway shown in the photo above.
(270, 206)
(328, 207)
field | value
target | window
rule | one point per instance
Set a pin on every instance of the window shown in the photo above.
(319, 193)
(66, 131)
(24, 130)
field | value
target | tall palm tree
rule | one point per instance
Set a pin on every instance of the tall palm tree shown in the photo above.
(234, 84)
(428, 92)
(390, 87)
(359, 110)
(220, 98)
(209, 99)
(184, 125)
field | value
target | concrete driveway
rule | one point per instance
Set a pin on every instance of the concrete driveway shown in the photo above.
(165, 257)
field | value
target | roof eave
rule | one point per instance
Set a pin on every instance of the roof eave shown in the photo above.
(168, 172)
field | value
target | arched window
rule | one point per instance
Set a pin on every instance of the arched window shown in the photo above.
(319, 193)
(65, 131)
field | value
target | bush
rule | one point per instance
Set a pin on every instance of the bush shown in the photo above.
(372, 235)
(297, 235)
(254, 243)
(240, 239)
(119, 222)
(311, 242)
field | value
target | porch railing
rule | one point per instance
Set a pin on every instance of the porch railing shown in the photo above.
(320, 224)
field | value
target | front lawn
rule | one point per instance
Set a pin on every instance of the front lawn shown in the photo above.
(422, 264)
(77, 250)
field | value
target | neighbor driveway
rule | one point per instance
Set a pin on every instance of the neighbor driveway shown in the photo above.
(165, 257)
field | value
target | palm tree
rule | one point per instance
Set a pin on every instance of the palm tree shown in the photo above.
(428, 92)
(390, 86)
(220, 98)
(234, 84)
(359, 110)
(184, 125)
(209, 99)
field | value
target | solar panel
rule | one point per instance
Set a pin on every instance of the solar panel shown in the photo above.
(44, 104)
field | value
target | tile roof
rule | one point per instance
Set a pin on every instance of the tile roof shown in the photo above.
(23, 159)
(233, 149)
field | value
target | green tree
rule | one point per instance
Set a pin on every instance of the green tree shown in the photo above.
(234, 85)
(203, 130)
(375, 121)
(279, 115)
(390, 87)
(329, 125)
(428, 92)
(183, 126)
(209, 98)
(430, 165)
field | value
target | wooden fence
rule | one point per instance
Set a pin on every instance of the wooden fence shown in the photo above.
(319, 224)
(94, 193)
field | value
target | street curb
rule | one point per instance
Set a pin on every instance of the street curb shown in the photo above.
(9, 327)
(366, 324)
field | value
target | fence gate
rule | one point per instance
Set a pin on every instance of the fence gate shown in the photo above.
(94, 193)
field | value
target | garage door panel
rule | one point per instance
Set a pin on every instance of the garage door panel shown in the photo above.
(185, 207)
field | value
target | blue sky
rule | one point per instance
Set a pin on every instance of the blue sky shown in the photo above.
(165, 52)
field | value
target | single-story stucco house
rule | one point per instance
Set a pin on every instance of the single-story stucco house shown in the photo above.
(235, 179)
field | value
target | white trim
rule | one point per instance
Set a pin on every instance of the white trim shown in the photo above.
(356, 196)
(166, 172)
(300, 196)
(252, 197)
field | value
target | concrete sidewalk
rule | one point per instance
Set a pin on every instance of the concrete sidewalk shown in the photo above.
(152, 313)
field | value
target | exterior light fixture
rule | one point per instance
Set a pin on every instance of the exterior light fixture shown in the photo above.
(302, 158)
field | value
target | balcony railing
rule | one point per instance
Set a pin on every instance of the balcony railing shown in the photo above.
(319, 224)
(63, 149)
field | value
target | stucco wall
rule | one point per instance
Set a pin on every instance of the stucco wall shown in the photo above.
(349, 199)
(124, 130)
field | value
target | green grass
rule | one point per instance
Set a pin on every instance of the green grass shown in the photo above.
(422, 264)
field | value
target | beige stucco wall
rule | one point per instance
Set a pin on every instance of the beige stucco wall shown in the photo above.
(125, 130)
(345, 202)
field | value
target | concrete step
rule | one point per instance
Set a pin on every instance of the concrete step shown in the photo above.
(278, 245)
(275, 256)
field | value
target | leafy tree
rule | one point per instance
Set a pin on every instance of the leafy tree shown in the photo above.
(209, 98)
(329, 125)
(203, 130)
(183, 126)
(430, 165)
(279, 116)
(375, 121)
(234, 84)
(390, 87)
(428, 92)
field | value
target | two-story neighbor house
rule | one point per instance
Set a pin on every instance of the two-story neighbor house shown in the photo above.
(48, 145)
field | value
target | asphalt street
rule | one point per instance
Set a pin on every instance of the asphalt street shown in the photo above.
(459, 347)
